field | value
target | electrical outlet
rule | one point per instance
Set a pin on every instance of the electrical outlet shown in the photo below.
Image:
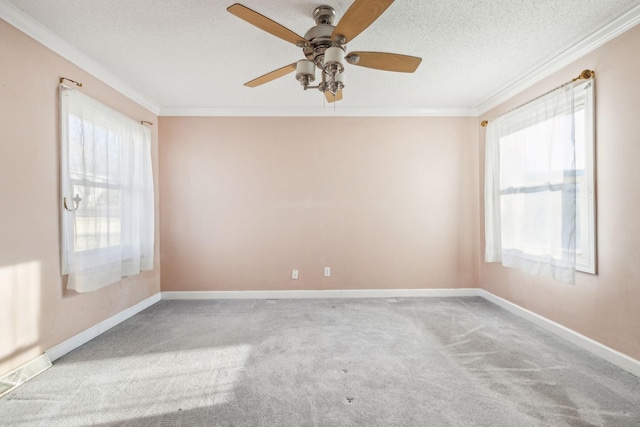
(327, 271)
(294, 275)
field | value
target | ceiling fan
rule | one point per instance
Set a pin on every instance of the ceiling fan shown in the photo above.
(324, 46)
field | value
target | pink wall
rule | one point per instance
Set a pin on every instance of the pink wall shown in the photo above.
(605, 307)
(36, 312)
(384, 202)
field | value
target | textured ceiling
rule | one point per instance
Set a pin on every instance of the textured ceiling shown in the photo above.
(195, 55)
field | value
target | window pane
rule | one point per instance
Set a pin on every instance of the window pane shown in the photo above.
(530, 223)
(97, 218)
(94, 152)
(525, 155)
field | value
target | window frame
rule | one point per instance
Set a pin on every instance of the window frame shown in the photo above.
(109, 127)
(585, 203)
(583, 175)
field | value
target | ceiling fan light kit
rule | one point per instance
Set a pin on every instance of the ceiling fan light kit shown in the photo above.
(305, 72)
(333, 62)
(324, 46)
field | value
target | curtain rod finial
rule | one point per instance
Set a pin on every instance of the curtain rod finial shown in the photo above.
(585, 75)
(62, 79)
(484, 123)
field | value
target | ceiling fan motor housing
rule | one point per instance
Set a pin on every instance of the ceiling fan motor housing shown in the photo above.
(319, 37)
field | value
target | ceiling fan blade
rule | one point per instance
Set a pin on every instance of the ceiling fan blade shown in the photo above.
(266, 78)
(333, 98)
(264, 23)
(358, 17)
(385, 61)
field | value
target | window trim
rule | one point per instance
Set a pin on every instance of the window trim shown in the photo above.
(587, 262)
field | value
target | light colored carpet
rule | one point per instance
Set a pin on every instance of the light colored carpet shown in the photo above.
(369, 362)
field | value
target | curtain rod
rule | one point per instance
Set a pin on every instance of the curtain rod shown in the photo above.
(584, 75)
(62, 79)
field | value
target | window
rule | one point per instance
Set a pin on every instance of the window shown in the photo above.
(539, 185)
(107, 186)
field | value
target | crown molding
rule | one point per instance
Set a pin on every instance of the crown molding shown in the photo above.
(23, 22)
(316, 112)
(17, 18)
(555, 64)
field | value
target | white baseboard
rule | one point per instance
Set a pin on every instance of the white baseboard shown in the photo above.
(328, 293)
(87, 335)
(24, 373)
(610, 355)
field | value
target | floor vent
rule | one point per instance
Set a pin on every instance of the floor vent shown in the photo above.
(24, 373)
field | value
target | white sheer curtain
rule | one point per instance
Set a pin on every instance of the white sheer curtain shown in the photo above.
(105, 162)
(530, 187)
